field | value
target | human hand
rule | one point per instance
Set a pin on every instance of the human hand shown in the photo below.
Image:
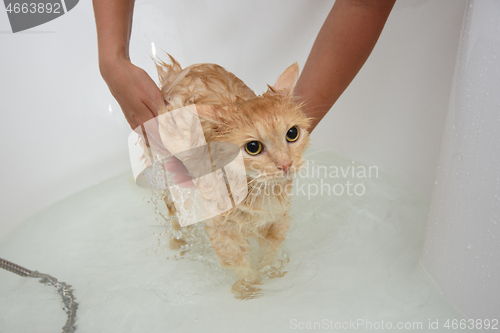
(140, 100)
(138, 96)
(136, 93)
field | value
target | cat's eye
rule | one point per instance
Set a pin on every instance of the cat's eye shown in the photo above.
(292, 134)
(253, 147)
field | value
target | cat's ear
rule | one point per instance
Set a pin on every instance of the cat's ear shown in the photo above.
(285, 83)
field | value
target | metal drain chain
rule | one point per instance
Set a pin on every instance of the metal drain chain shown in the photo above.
(70, 306)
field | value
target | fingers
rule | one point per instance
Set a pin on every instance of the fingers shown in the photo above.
(184, 181)
(139, 97)
(153, 137)
(151, 103)
(174, 165)
(155, 101)
(182, 176)
(138, 115)
(150, 94)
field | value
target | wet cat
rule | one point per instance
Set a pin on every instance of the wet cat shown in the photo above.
(271, 131)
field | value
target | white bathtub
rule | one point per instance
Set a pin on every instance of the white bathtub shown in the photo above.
(62, 131)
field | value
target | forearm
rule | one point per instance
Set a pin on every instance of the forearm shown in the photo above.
(342, 46)
(138, 96)
(114, 26)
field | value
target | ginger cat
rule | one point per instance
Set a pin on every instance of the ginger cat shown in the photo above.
(271, 131)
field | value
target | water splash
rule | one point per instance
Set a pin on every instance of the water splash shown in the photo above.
(195, 242)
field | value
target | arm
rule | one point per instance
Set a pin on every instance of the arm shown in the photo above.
(342, 46)
(137, 94)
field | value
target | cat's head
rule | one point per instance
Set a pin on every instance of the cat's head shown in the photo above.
(271, 130)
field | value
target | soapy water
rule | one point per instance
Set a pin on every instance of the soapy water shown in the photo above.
(197, 246)
(195, 242)
(348, 257)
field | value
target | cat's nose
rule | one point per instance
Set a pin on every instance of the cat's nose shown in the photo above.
(285, 166)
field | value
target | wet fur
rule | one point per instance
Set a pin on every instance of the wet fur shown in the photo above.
(231, 112)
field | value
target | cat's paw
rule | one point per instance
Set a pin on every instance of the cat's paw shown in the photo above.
(276, 273)
(176, 243)
(246, 290)
(272, 266)
(272, 271)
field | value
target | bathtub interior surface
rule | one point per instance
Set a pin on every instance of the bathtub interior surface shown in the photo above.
(351, 257)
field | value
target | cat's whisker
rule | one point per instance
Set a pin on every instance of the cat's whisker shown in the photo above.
(315, 180)
(311, 177)
(313, 168)
(253, 181)
(319, 165)
(315, 107)
(253, 185)
(252, 203)
(316, 152)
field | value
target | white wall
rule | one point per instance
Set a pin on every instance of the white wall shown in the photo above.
(58, 135)
(393, 113)
(462, 247)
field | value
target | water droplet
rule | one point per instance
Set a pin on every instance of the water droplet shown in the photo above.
(153, 49)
